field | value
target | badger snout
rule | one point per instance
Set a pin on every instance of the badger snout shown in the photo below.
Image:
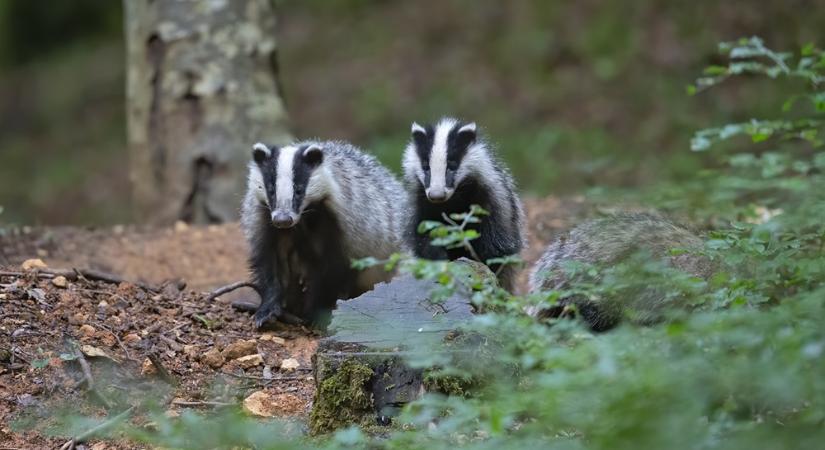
(283, 219)
(439, 195)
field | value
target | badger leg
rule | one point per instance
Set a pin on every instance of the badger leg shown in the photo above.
(263, 262)
(423, 249)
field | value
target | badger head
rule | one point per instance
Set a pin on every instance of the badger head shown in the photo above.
(285, 179)
(436, 157)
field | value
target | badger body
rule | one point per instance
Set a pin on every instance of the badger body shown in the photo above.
(610, 240)
(448, 168)
(309, 209)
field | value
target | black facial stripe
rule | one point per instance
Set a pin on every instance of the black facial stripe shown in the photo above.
(457, 145)
(301, 172)
(269, 173)
(449, 178)
(424, 145)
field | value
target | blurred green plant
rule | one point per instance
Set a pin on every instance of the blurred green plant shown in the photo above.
(746, 370)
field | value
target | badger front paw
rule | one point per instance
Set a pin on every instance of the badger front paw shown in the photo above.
(267, 314)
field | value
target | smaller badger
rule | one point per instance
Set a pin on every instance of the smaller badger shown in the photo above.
(608, 241)
(448, 168)
(310, 208)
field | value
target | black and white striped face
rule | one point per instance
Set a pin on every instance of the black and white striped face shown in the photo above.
(436, 156)
(286, 179)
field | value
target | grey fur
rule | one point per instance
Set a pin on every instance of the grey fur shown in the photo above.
(361, 195)
(609, 240)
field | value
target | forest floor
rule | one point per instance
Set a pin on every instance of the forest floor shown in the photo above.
(157, 334)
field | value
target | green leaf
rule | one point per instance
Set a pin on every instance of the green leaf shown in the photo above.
(808, 49)
(40, 363)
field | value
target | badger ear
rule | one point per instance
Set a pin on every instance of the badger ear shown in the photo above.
(418, 130)
(467, 134)
(260, 152)
(313, 155)
(469, 129)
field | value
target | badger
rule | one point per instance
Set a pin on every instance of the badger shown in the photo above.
(448, 168)
(607, 241)
(309, 209)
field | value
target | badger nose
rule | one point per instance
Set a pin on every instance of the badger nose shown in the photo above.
(437, 195)
(282, 219)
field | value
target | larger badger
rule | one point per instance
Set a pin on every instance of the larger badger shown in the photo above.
(310, 208)
(605, 242)
(447, 168)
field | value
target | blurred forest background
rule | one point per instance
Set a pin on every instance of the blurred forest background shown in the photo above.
(575, 94)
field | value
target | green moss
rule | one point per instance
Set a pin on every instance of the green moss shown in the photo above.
(342, 398)
(436, 381)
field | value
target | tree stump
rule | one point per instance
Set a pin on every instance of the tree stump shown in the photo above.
(202, 88)
(360, 371)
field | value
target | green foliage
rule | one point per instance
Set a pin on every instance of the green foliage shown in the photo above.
(745, 369)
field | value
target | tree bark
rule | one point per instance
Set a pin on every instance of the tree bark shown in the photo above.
(202, 87)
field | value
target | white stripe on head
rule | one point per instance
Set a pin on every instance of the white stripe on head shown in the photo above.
(438, 155)
(284, 182)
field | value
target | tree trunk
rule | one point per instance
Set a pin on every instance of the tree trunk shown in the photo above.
(202, 87)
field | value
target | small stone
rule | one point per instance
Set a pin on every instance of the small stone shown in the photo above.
(34, 263)
(259, 404)
(147, 368)
(272, 338)
(181, 226)
(3, 296)
(118, 229)
(78, 319)
(190, 350)
(171, 413)
(240, 348)
(213, 358)
(131, 338)
(290, 364)
(94, 352)
(250, 361)
(87, 330)
(103, 304)
(60, 281)
(105, 338)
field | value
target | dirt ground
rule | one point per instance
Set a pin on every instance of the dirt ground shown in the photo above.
(170, 342)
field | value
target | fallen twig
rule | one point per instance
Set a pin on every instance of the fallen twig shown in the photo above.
(87, 376)
(89, 274)
(6, 273)
(119, 342)
(228, 288)
(69, 445)
(171, 342)
(269, 380)
(202, 403)
(84, 365)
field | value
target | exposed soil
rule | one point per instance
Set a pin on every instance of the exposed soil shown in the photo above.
(44, 323)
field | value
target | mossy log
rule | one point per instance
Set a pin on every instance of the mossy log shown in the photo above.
(360, 370)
